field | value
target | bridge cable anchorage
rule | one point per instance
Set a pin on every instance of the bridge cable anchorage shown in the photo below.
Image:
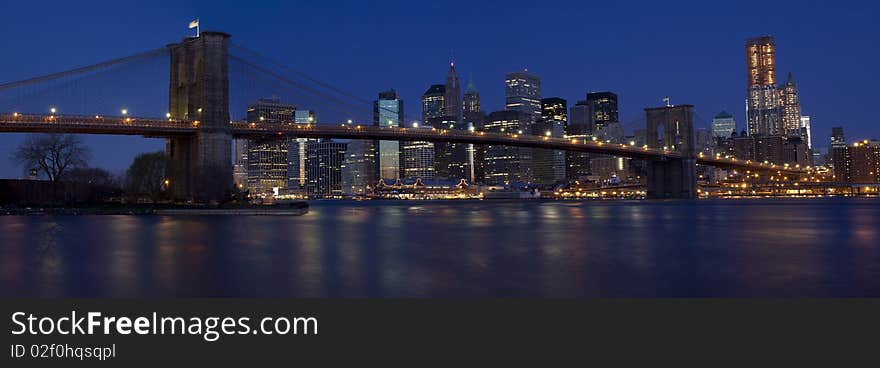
(84, 69)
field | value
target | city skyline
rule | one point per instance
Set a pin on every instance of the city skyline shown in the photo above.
(638, 83)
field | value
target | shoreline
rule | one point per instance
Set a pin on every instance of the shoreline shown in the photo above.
(293, 209)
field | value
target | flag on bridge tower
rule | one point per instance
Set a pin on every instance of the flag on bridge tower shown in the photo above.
(195, 24)
(666, 99)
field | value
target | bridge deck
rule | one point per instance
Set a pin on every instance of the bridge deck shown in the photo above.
(35, 123)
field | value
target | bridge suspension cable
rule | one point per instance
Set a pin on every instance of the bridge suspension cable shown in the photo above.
(81, 70)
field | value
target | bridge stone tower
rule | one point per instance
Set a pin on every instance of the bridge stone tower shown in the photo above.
(671, 127)
(200, 166)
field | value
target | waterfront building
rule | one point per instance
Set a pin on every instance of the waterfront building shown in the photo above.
(865, 162)
(840, 161)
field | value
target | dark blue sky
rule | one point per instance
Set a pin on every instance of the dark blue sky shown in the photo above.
(643, 50)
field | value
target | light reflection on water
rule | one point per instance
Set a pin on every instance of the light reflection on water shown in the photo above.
(828, 247)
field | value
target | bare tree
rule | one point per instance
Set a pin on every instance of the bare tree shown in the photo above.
(53, 154)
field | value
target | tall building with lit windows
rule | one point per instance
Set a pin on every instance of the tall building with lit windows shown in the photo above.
(359, 168)
(297, 175)
(434, 102)
(473, 116)
(579, 127)
(723, 125)
(549, 165)
(765, 101)
(417, 157)
(523, 93)
(508, 164)
(324, 165)
(807, 131)
(388, 112)
(267, 161)
(791, 109)
(603, 109)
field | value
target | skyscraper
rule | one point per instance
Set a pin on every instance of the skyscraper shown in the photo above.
(549, 165)
(267, 161)
(324, 165)
(764, 103)
(579, 127)
(388, 112)
(523, 93)
(473, 116)
(603, 109)
(761, 61)
(791, 107)
(807, 131)
(359, 168)
(418, 157)
(840, 159)
(296, 152)
(508, 164)
(453, 93)
(723, 125)
(434, 102)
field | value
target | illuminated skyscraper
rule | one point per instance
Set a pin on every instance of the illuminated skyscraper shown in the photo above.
(267, 161)
(807, 131)
(791, 107)
(296, 152)
(434, 102)
(761, 61)
(474, 117)
(603, 109)
(549, 165)
(388, 112)
(579, 127)
(765, 101)
(359, 168)
(324, 165)
(508, 164)
(723, 125)
(417, 157)
(523, 93)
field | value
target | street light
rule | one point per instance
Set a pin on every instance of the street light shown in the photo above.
(124, 112)
(168, 115)
(52, 110)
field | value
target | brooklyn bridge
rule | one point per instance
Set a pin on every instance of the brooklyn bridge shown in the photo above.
(199, 131)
